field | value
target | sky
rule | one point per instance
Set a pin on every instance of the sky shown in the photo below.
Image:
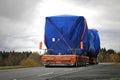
(22, 21)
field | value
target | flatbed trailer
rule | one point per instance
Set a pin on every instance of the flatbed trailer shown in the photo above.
(69, 60)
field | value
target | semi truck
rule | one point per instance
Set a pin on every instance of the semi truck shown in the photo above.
(69, 41)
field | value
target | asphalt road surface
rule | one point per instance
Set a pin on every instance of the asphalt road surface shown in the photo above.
(90, 72)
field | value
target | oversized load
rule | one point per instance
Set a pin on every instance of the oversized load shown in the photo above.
(65, 34)
(94, 43)
(69, 42)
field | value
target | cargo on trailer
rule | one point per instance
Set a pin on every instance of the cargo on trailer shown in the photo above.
(94, 43)
(65, 33)
(69, 42)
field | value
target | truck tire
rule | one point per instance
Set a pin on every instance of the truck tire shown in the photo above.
(85, 63)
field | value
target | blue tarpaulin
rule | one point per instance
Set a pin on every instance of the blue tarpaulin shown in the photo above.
(64, 33)
(94, 43)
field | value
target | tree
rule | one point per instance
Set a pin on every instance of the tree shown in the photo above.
(103, 50)
(32, 60)
(111, 51)
(1, 58)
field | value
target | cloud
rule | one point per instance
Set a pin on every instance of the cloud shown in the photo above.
(22, 21)
(110, 39)
(19, 24)
(14, 35)
(16, 9)
(107, 11)
(102, 15)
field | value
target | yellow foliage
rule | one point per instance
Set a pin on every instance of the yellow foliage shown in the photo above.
(32, 60)
(109, 57)
(28, 62)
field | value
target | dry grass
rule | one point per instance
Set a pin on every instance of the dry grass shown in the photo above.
(10, 67)
(29, 63)
(112, 79)
(115, 79)
(32, 61)
(116, 64)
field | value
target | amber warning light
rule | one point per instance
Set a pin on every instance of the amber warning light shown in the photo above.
(40, 45)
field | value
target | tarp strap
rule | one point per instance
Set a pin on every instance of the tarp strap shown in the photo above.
(62, 37)
(81, 42)
(84, 30)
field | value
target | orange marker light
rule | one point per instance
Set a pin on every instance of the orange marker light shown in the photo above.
(40, 46)
(81, 45)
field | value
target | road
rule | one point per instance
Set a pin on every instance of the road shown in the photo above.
(90, 72)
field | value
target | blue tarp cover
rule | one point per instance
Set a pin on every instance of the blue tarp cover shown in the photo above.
(94, 43)
(64, 33)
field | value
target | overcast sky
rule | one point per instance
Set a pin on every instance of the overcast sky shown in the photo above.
(22, 21)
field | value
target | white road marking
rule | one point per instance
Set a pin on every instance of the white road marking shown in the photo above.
(46, 74)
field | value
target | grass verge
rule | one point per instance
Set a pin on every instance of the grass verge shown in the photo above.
(11, 67)
(115, 79)
(112, 79)
(14, 67)
(116, 64)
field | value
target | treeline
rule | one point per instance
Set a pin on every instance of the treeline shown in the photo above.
(27, 59)
(108, 55)
(13, 58)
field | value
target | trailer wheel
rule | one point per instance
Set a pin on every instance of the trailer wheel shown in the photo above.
(81, 63)
(47, 66)
(76, 64)
(97, 62)
(85, 62)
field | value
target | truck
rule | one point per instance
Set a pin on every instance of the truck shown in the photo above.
(69, 41)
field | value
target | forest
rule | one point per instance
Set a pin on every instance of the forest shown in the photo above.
(108, 55)
(30, 59)
(26, 59)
